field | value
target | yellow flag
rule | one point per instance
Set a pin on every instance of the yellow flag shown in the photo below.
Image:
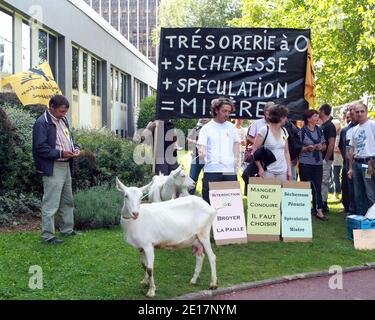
(34, 86)
(310, 88)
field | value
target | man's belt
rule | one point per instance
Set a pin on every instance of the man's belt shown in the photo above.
(364, 160)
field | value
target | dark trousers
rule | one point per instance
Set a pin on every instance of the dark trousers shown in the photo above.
(348, 200)
(345, 199)
(314, 174)
(165, 168)
(215, 177)
(336, 179)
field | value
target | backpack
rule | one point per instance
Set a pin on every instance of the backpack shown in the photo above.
(294, 142)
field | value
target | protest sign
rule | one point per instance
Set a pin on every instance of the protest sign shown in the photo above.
(296, 212)
(263, 209)
(252, 66)
(229, 224)
(34, 86)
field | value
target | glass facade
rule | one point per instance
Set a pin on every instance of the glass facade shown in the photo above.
(26, 46)
(75, 68)
(6, 42)
(105, 9)
(47, 48)
(95, 77)
(52, 54)
(124, 88)
(115, 14)
(43, 46)
(137, 21)
(84, 72)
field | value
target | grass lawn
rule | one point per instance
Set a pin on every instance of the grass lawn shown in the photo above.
(100, 265)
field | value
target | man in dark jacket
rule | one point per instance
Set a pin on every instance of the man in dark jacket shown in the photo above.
(53, 152)
(329, 131)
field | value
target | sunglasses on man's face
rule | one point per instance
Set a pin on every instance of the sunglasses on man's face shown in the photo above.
(360, 111)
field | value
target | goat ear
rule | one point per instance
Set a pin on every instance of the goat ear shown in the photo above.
(120, 186)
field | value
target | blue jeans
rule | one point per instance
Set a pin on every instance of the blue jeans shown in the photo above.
(364, 189)
(195, 170)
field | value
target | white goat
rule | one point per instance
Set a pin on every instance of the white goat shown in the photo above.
(169, 187)
(156, 225)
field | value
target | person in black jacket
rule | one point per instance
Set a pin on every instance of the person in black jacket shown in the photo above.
(53, 152)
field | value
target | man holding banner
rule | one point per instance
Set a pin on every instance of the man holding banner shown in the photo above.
(53, 152)
(219, 145)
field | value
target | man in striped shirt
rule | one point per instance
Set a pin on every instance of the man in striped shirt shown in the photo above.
(53, 152)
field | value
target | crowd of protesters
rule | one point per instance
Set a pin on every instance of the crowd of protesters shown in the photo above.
(334, 154)
(318, 151)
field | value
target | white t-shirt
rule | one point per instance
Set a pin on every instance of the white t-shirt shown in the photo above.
(363, 140)
(218, 138)
(277, 146)
(256, 126)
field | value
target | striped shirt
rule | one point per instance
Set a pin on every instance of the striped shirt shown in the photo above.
(63, 137)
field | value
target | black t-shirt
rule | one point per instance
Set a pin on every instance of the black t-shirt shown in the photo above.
(329, 131)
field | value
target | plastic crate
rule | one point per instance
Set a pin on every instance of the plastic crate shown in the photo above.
(358, 222)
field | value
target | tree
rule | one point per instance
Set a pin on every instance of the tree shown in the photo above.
(196, 13)
(342, 36)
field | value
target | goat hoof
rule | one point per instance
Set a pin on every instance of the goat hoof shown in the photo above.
(150, 294)
(144, 282)
(193, 281)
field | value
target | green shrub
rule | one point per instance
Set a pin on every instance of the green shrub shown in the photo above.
(105, 156)
(9, 98)
(24, 177)
(147, 112)
(7, 150)
(12, 203)
(98, 207)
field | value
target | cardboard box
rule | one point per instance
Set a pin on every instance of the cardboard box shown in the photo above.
(358, 222)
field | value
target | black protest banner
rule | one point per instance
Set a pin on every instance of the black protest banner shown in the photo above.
(252, 66)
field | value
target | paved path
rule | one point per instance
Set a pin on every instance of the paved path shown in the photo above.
(357, 285)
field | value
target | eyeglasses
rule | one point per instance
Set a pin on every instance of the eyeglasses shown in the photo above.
(360, 111)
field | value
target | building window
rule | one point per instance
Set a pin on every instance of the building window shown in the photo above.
(84, 72)
(75, 68)
(143, 90)
(116, 85)
(52, 53)
(6, 42)
(95, 77)
(26, 46)
(111, 84)
(48, 50)
(43, 46)
(124, 88)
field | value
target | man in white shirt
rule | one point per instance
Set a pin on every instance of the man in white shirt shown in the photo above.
(219, 145)
(361, 152)
(260, 123)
